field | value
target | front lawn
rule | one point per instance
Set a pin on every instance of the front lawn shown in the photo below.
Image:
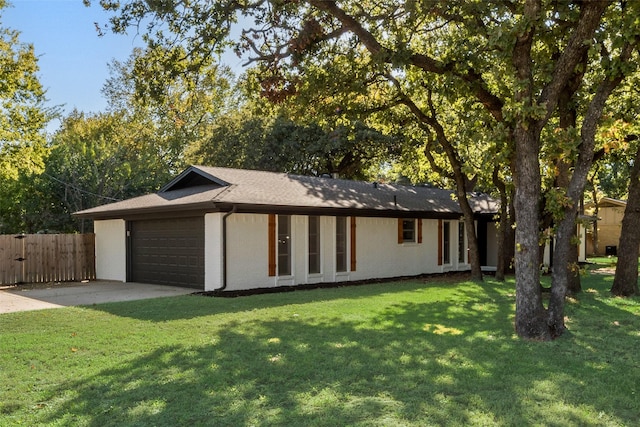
(394, 354)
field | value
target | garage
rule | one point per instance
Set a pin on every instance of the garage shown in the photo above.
(167, 252)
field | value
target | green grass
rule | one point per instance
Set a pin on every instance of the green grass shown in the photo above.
(395, 354)
(603, 261)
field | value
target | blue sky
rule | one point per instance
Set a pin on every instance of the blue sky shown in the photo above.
(72, 58)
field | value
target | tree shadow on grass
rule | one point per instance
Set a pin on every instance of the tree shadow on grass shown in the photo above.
(411, 363)
(193, 306)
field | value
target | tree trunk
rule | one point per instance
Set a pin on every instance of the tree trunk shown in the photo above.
(564, 259)
(461, 191)
(575, 285)
(575, 189)
(500, 241)
(458, 175)
(502, 225)
(510, 237)
(625, 282)
(472, 239)
(530, 313)
(596, 211)
(565, 268)
(562, 270)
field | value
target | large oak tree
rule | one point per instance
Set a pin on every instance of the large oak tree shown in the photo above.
(516, 59)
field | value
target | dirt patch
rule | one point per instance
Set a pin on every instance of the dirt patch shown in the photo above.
(605, 271)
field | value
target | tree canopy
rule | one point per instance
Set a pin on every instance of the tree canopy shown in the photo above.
(529, 65)
(23, 118)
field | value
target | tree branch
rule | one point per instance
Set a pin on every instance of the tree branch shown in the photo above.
(590, 16)
(490, 101)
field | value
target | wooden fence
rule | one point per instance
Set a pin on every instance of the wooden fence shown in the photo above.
(41, 258)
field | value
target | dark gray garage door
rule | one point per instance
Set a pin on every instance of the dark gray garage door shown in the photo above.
(167, 252)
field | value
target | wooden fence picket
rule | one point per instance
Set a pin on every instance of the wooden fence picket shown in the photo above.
(42, 258)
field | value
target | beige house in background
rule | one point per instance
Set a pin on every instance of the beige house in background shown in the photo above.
(609, 223)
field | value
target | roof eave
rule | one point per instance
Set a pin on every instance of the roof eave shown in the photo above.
(201, 208)
(149, 211)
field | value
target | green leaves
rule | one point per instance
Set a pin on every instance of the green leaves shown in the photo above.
(23, 118)
(244, 140)
(96, 159)
(557, 202)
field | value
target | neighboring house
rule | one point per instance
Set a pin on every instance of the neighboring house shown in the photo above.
(609, 226)
(218, 228)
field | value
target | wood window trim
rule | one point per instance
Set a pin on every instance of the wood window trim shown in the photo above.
(417, 231)
(314, 252)
(272, 245)
(284, 251)
(352, 245)
(440, 242)
(462, 251)
(446, 238)
(342, 243)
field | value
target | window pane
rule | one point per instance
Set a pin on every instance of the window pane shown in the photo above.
(314, 244)
(446, 243)
(408, 230)
(341, 243)
(461, 249)
(284, 245)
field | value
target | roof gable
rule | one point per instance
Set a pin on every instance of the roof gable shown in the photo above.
(193, 177)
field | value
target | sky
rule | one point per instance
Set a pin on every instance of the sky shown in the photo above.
(73, 60)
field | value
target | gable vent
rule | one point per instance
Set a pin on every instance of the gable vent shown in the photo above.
(193, 177)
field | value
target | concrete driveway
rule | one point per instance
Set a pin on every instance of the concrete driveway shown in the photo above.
(97, 292)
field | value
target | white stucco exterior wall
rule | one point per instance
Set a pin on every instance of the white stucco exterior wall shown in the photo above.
(213, 269)
(248, 252)
(378, 253)
(582, 247)
(111, 249)
(328, 250)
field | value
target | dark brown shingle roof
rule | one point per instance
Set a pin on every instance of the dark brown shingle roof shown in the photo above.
(262, 191)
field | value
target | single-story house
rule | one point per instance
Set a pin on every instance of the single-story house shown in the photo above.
(216, 228)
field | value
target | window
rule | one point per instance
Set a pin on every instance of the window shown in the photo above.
(446, 242)
(341, 244)
(284, 245)
(314, 244)
(352, 244)
(461, 248)
(406, 230)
